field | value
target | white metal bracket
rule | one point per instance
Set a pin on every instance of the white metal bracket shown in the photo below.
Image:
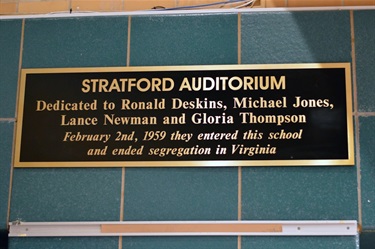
(185, 228)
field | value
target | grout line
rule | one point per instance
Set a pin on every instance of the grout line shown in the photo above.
(239, 38)
(356, 118)
(122, 199)
(239, 212)
(354, 75)
(14, 129)
(239, 196)
(366, 114)
(128, 41)
(8, 119)
(119, 242)
(123, 171)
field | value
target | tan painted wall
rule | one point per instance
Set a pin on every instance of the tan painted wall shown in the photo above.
(11, 7)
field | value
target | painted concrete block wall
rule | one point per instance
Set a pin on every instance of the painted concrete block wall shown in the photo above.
(128, 194)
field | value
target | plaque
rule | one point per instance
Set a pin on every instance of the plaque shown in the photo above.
(185, 116)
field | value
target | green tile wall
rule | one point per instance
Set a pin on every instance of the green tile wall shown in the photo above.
(295, 37)
(76, 194)
(6, 139)
(10, 39)
(75, 42)
(315, 193)
(202, 242)
(299, 242)
(297, 193)
(367, 125)
(365, 73)
(365, 59)
(177, 193)
(184, 40)
(367, 240)
(268, 193)
(70, 194)
(64, 243)
(181, 194)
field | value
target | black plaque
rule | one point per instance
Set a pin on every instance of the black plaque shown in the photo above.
(227, 115)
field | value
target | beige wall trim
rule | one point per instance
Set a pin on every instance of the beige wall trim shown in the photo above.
(187, 12)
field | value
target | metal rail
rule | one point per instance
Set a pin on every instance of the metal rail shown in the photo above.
(185, 228)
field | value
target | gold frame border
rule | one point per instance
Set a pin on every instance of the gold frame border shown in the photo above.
(186, 163)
